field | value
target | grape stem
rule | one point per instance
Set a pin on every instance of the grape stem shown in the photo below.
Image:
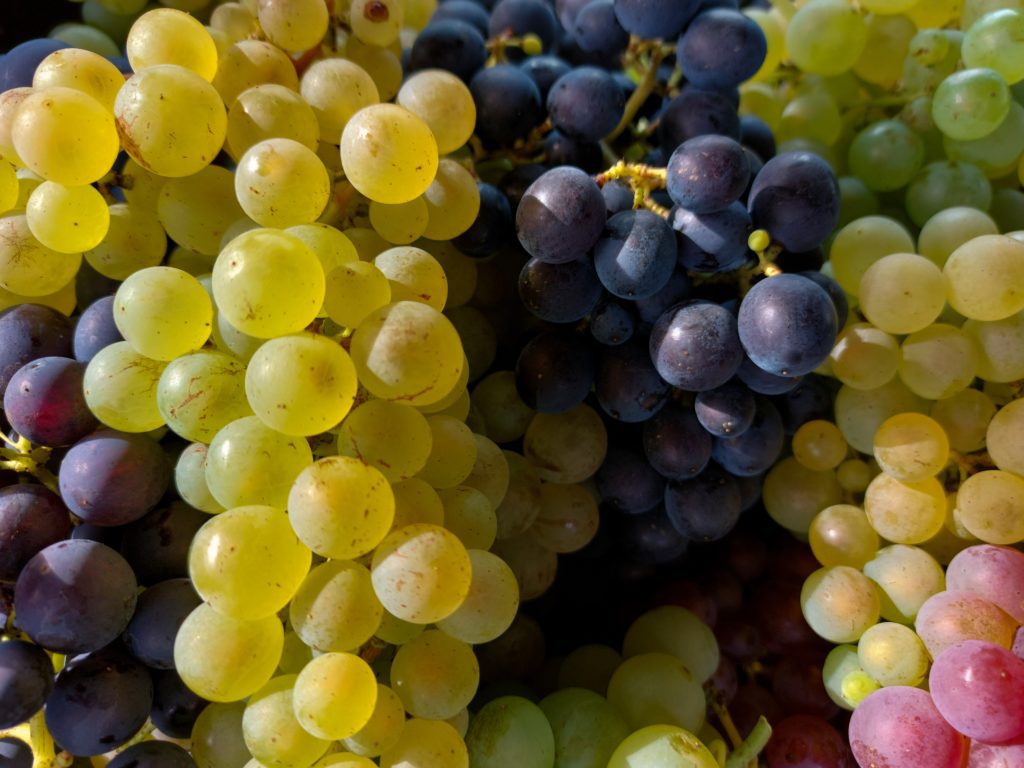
(643, 89)
(746, 753)
(22, 457)
(35, 734)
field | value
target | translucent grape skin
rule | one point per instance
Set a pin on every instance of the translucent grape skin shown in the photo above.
(900, 726)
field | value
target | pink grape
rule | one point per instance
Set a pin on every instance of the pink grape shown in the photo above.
(994, 573)
(899, 727)
(1008, 755)
(948, 618)
(979, 688)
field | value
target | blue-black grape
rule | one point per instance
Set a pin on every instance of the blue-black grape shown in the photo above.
(764, 383)
(705, 508)
(32, 517)
(694, 113)
(561, 216)
(677, 289)
(19, 64)
(655, 18)
(713, 242)
(757, 448)
(636, 254)
(26, 679)
(675, 443)
(567, 10)
(649, 538)
(787, 325)
(156, 545)
(466, 11)
(695, 346)
(544, 70)
(628, 387)
(95, 329)
(159, 612)
(113, 478)
(628, 482)
(598, 31)
(559, 293)
(15, 753)
(109, 535)
(508, 104)
(618, 197)
(725, 411)
(449, 44)
(555, 370)
(612, 324)
(75, 596)
(560, 149)
(757, 134)
(707, 173)
(522, 17)
(515, 183)
(586, 103)
(834, 291)
(45, 402)
(492, 227)
(153, 754)
(99, 702)
(795, 198)
(809, 400)
(721, 48)
(28, 332)
(175, 706)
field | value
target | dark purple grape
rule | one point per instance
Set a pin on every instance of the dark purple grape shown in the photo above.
(705, 508)
(28, 332)
(75, 596)
(113, 478)
(757, 134)
(492, 228)
(834, 291)
(628, 387)
(156, 545)
(153, 754)
(764, 383)
(757, 448)
(725, 411)
(111, 536)
(96, 329)
(707, 173)
(449, 44)
(628, 482)
(158, 614)
(677, 289)
(15, 753)
(559, 293)
(544, 70)
(618, 197)
(721, 48)
(694, 113)
(797, 683)
(612, 324)
(555, 371)
(636, 254)
(695, 346)
(567, 10)
(675, 443)
(810, 399)
(466, 11)
(586, 103)
(45, 402)
(175, 706)
(19, 64)
(508, 104)
(515, 183)
(649, 538)
(795, 198)
(26, 679)
(523, 17)
(598, 31)
(713, 242)
(655, 18)
(560, 149)
(561, 216)
(32, 517)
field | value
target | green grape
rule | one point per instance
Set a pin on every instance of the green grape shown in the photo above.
(937, 362)
(401, 223)
(461, 270)
(590, 667)
(376, 22)
(197, 210)
(190, 479)
(249, 63)
(163, 312)
(826, 37)
(568, 518)
(27, 266)
(893, 654)
(294, 25)
(906, 577)
(27, 183)
(888, 6)
(763, 101)
(819, 445)
(971, 11)
(396, 631)
(335, 695)
(225, 659)
(907, 512)
(444, 103)
(344, 760)
(662, 746)
(229, 339)
(522, 502)
(336, 89)
(454, 396)
(510, 730)
(998, 153)
(842, 665)
(587, 729)
(246, 562)
(168, 36)
(991, 506)
(416, 502)
(452, 452)
(120, 388)
(270, 111)
(839, 603)
(383, 728)
(794, 494)
(272, 730)
(566, 447)
(200, 393)
(81, 70)
(971, 103)
(996, 41)
(453, 201)
(10, 102)
(64, 299)
(421, 573)
(335, 608)
(330, 245)
(503, 411)
(295, 656)
(886, 48)
(1005, 437)
(470, 516)
(427, 744)
(1000, 346)
(985, 278)
(886, 155)
(1007, 209)
(8, 187)
(942, 185)
(950, 228)
(383, 65)
(388, 153)
(64, 135)
(965, 418)
(934, 56)
(85, 37)
(534, 566)
(141, 188)
(394, 438)
(233, 20)
(353, 291)
(775, 37)
(861, 243)
(811, 115)
(490, 473)
(842, 535)
(414, 275)
(490, 607)
(902, 293)
(196, 264)
(217, 740)
(676, 631)
(435, 675)
(249, 463)
(281, 183)
(657, 688)
(115, 17)
(911, 447)
(167, 99)
(407, 351)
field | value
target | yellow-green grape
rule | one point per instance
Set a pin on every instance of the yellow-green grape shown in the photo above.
(335, 695)
(340, 507)
(811, 116)
(490, 606)
(453, 201)
(414, 275)
(893, 654)
(229, 339)
(490, 473)
(384, 65)
(444, 103)
(826, 37)
(994, 41)
(1000, 346)
(947, 230)
(971, 103)
(775, 37)
(990, 505)
(859, 413)
(1005, 436)
(8, 187)
(454, 395)
(336, 89)
(663, 746)
(998, 153)
(906, 577)
(763, 101)
(903, 292)
(64, 135)
(268, 283)
(535, 566)
(225, 659)
(367, 242)
(470, 516)
(388, 153)
(294, 656)
(401, 223)
(67, 219)
(407, 351)
(353, 291)
(435, 675)
(330, 245)
(568, 517)
(839, 603)
(249, 63)
(216, 738)
(676, 631)
(842, 535)
(460, 722)
(249, 463)
(985, 278)
(196, 264)
(911, 447)
(120, 388)
(521, 505)
(846, 682)
(394, 438)
(82, 70)
(27, 183)
(10, 102)
(293, 25)
(376, 22)
(163, 312)
(503, 411)
(234, 20)
(886, 7)
(335, 608)
(64, 299)
(141, 188)
(416, 502)
(200, 393)
(197, 210)
(29, 268)
(886, 48)
(190, 480)
(460, 408)
(589, 667)
(657, 688)
(396, 631)
(432, 743)
(819, 445)
(861, 243)
(87, 37)
(270, 111)
(383, 728)
(905, 512)
(461, 270)
(937, 362)
(794, 494)
(273, 732)
(566, 447)
(510, 730)
(452, 452)
(965, 417)
(168, 100)
(421, 573)
(168, 36)
(281, 183)
(247, 563)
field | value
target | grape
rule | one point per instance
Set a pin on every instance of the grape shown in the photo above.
(535, 567)
(861, 243)
(948, 618)
(983, 275)
(937, 362)
(442, 101)
(899, 721)
(67, 219)
(413, 275)
(510, 730)
(806, 737)
(721, 48)
(839, 603)
(21, 61)
(281, 183)
(859, 413)
(521, 505)
(989, 506)
(417, 502)
(294, 25)
(941, 185)
(655, 18)
(676, 631)
(793, 494)
(589, 667)
(435, 675)
(567, 447)
(27, 681)
(911, 447)
(335, 695)
(842, 535)
(135, 239)
(335, 608)
(384, 727)
(426, 743)
(585, 726)
(169, 36)
(163, 312)
(597, 31)
(568, 518)
(757, 449)
(452, 45)
(490, 473)
(175, 707)
(561, 216)
(893, 654)
(490, 605)
(158, 754)
(217, 737)
(44, 402)
(272, 729)
(159, 612)
(468, 514)
(902, 293)
(819, 445)
(156, 545)
(905, 512)
(970, 104)
(585, 103)
(27, 267)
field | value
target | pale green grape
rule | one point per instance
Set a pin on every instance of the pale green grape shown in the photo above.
(886, 155)
(970, 104)
(388, 153)
(587, 729)
(510, 730)
(64, 299)
(225, 659)
(907, 512)
(353, 291)
(217, 740)
(888, 43)
(965, 417)
(452, 452)
(942, 185)
(421, 573)
(841, 535)
(86, 37)
(763, 101)
(846, 682)
(839, 603)
(335, 695)
(27, 266)
(82, 70)
(662, 746)
(196, 211)
(376, 22)
(568, 518)
(234, 20)
(590, 667)
(141, 188)
(196, 264)
(998, 153)
(861, 243)
(903, 293)
(1005, 437)
(444, 103)
(416, 502)
(985, 278)
(281, 183)
(335, 608)
(168, 36)
(826, 37)
(295, 656)
(522, 502)
(469, 515)
(10, 102)
(503, 411)
(676, 631)
(657, 688)
(461, 270)
(340, 507)
(115, 17)
(775, 37)
(534, 566)
(163, 312)
(990, 505)
(934, 55)
(272, 730)
(906, 577)
(249, 463)
(810, 115)
(490, 607)
(427, 744)
(383, 728)
(973, 10)
(336, 89)
(937, 362)
(383, 65)
(229, 339)
(330, 245)
(819, 445)
(860, 412)
(414, 275)
(566, 447)
(247, 563)
(1000, 346)
(249, 63)
(200, 393)
(490, 473)
(27, 183)
(950, 228)
(397, 631)
(888, 6)
(120, 388)
(996, 41)
(435, 675)
(190, 479)
(394, 438)
(454, 396)
(293, 25)
(453, 201)
(911, 447)
(401, 223)
(8, 187)
(794, 494)
(270, 111)
(893, 654)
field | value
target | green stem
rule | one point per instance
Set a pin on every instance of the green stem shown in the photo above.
(746, 753)
(636, 100)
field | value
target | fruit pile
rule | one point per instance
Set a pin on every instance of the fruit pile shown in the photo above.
(534, 383)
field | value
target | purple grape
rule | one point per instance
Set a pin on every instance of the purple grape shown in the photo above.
(675, 443)
(28, 332)
(45, 403)
(561, 216)
(175, 706)
(156, 545)
(32, 517)
(95, 329)
(26, 679)
(153, 754)
(158, 614)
